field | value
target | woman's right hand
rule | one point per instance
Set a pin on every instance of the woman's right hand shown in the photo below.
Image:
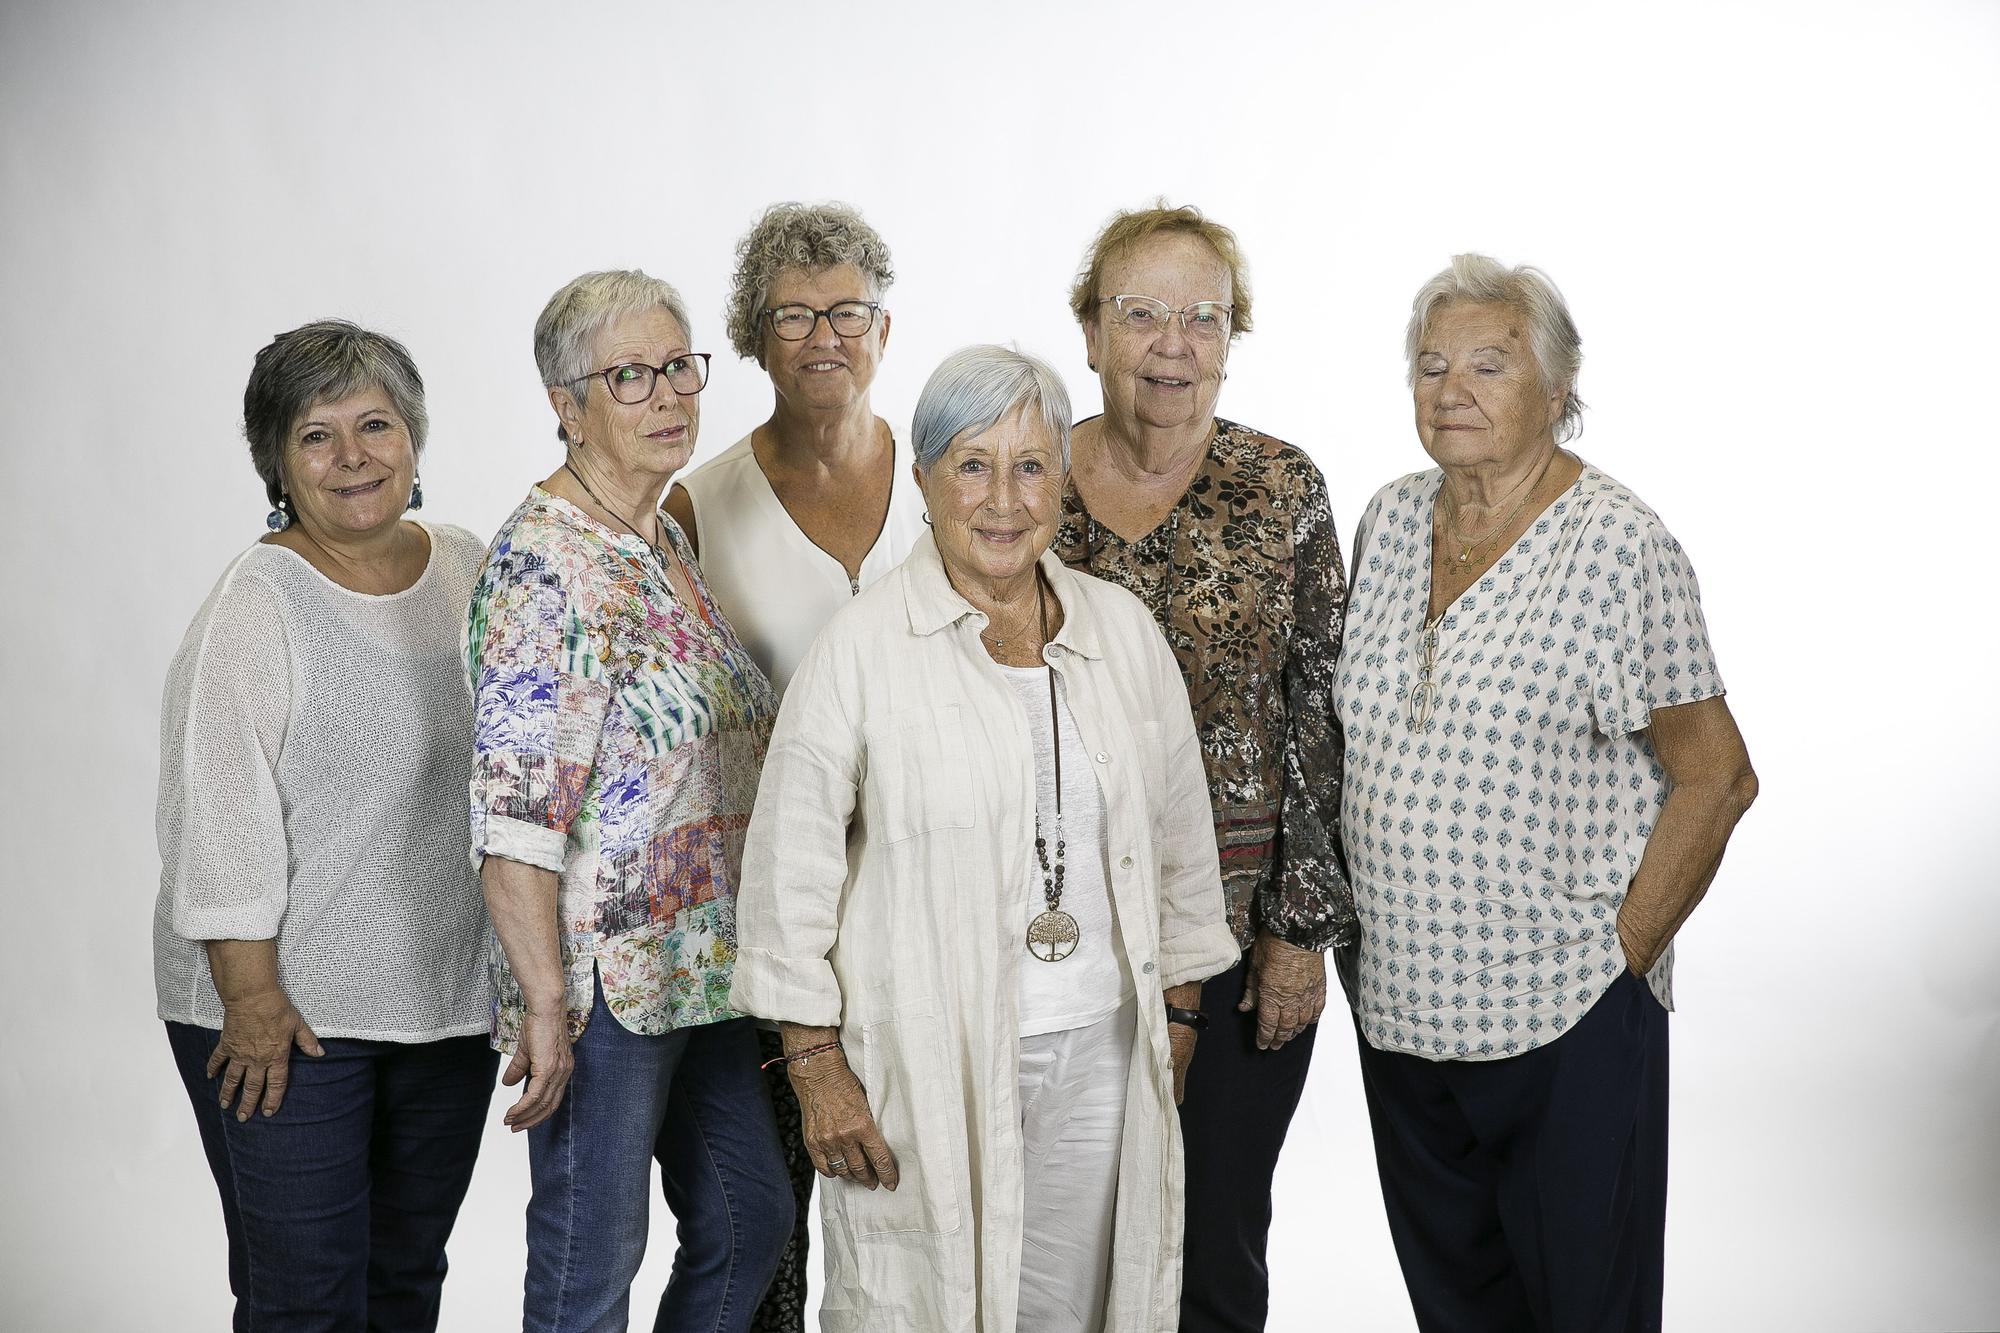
(254, 1052)
(839, 1127)
(544, 1058)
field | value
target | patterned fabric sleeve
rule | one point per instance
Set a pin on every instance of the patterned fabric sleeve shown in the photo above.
(540, 693)
(1309, 902)
(1659, 654)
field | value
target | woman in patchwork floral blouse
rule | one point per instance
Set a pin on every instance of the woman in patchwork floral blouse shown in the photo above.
(1226, 535)
(620, 732)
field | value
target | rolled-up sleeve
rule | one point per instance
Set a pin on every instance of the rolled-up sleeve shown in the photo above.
(221, 820)
(1195, 940)
(795, 855)
(540, 694)
(1309, 903)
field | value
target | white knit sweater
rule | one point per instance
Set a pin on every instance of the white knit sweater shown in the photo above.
(315, 745)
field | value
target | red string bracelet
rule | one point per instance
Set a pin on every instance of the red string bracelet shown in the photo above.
(808, 1051)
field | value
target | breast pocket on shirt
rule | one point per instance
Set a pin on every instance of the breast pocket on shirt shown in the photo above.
(912, 1094)
(919, 776)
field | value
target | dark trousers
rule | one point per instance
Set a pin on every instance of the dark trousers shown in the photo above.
(783, 1309)
(338, 1206)
(1238, 1105)
(1530, 1193)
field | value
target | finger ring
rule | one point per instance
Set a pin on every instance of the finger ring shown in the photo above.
(836, 1163)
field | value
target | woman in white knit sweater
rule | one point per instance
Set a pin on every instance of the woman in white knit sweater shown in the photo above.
(318, 939)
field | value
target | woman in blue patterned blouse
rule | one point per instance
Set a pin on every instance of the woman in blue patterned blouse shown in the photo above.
(1542, 776)
(619, 737)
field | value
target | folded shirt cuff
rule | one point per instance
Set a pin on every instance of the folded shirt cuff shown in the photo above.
(1197, 955)
(786, 990)
(257, 919)
(518, 840)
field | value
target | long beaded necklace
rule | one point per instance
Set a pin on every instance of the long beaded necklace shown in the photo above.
(1053, 935)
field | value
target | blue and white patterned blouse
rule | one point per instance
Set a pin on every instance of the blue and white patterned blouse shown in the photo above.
(1491, 849)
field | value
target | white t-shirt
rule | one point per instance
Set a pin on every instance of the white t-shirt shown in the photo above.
(777, 589)
(1490, 851)
(1090, 983)
(314, 750)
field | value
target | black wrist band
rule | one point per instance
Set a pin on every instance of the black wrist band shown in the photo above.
(1191, 1018)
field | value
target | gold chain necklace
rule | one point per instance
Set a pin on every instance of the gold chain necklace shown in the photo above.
(1466, 546)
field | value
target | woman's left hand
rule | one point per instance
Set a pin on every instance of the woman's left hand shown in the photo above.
(1286, 985)
(1180, 1048)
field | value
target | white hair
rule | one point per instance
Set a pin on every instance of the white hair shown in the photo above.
(977, 386)
(1552, 335)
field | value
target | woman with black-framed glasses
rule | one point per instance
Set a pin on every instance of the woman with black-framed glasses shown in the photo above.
(796, 518)
(618, 742)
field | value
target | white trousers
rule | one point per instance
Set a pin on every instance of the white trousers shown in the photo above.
(1072, 1095)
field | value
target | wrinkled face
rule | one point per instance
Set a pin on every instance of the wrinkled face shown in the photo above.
(640, 442)
(1479, 397)
(825, 370)
(995, 498)
(1160, 378)
(348, 466)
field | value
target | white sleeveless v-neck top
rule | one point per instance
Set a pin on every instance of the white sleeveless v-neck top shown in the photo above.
(776, 587)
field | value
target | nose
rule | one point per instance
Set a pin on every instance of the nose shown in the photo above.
(1172, 339)
(1003, 492)
(1455, 390)
(348, 453)
(822, 331)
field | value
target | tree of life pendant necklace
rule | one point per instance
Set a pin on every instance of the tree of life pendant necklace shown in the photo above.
(1053, 935)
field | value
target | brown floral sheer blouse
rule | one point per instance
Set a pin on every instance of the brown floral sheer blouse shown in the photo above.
(1245, 578)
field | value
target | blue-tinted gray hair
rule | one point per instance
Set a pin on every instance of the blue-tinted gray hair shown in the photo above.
(1552, 337)
(566, 333)
(975, 387)
(324, 362)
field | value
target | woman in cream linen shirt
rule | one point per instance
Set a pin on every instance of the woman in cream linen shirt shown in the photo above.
(979, 880)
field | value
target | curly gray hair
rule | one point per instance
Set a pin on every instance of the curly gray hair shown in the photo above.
(813, 237)
(1552, 337)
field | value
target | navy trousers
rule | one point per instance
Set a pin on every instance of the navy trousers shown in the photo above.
(1530, 1193)
(1239, 1104)
(338, 1206)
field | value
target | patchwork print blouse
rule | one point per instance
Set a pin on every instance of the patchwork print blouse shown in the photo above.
(1245, 579)
(618, 741)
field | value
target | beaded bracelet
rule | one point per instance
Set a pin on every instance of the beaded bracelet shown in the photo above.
(807, 1053)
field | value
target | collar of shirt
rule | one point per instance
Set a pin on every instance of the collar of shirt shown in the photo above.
(933, 603)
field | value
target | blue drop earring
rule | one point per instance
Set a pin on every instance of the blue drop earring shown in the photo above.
(280, 518)
(417, 494)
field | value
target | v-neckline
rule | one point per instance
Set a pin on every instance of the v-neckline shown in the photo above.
(702, 618)
(767, 493)
(1457, 605)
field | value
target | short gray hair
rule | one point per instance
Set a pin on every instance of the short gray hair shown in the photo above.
(976, 386)
(323, 362)
(1552, 335)
(566, 333)
(811, 237)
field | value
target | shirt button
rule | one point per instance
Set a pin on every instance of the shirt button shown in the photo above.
(1103, 758)
(1124, 863)
(1147, 968)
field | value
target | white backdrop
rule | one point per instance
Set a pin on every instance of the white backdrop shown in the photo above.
(1775, 224)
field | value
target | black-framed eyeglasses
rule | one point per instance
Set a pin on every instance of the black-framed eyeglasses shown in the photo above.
(1203, 320)
(633, 381)
(849, 319)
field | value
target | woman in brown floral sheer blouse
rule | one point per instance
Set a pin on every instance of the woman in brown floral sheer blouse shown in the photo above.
(1226, 534)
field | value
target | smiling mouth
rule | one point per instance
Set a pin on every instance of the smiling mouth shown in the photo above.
(1168, 382)
(348, 493)
(1003, 538)
(668, 433)
(822, 366)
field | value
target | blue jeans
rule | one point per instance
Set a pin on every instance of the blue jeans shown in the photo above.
(339, 1205)
(693, 1101)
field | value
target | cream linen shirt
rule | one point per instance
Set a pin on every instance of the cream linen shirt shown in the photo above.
(883, 879)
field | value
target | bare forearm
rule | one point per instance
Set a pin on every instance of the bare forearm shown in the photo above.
(1681, 859)
(521, 900)
(1187, 995)
(244, 970)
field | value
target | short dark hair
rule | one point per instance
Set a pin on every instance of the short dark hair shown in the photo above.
(323, 361)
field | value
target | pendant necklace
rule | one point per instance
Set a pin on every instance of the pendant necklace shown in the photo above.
(1053, 935)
